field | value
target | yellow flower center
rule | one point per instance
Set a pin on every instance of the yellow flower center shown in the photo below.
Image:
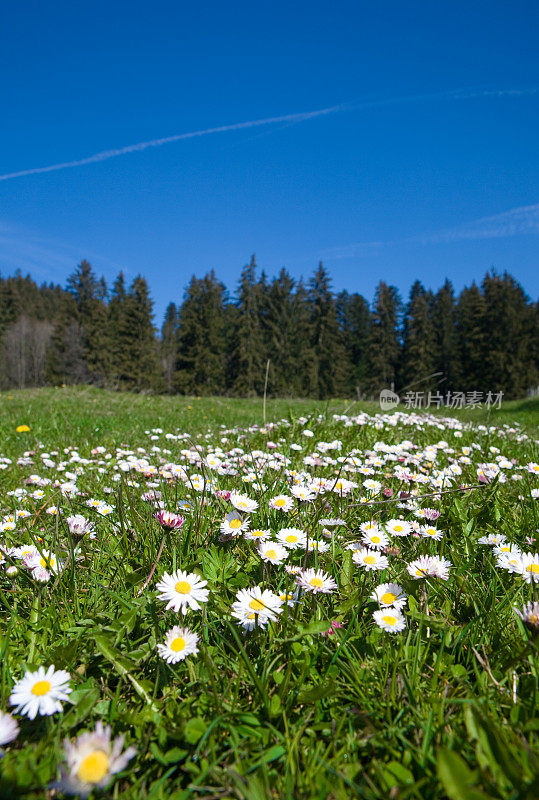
(177, 644)
(388, 597)
(533, 568)
(40, 688)
(370, 560)
(93, 767)
(318, 582)
(47, 562)
(291, 538)
(235, 523)
(375, 539)
(257, 533)
(182, 587)
(419, 573)
(505, 549)
(256, 605)
(271, 554)
(390, 620)
(431, 531)
(280, 502)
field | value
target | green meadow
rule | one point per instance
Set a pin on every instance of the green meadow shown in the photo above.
(324, 696)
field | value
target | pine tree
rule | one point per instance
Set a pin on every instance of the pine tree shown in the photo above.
(139, 368)
(447, 342)
(248, 352)
(419, 343)
(90, 294)
(353, 315)
(383, 338)
(202, 345)
(116, 312)
(472, 335)
(327, 340)
(169, 354)
(65, 359)
(507, 335)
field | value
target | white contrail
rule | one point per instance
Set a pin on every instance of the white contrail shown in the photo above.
(134, 148)
(452, 94)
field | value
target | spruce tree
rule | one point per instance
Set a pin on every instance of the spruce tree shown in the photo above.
(383, 339)
(116, 327)
(66, 363)
(201, 366)
(353, 315)
(447, 342)
(419, 343)
(507, 336)
(90, 296)
(472, 335)
(140, 365)
(169, 354)
(327, 341)
(248, 352)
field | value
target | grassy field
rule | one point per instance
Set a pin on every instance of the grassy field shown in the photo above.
(316, 686)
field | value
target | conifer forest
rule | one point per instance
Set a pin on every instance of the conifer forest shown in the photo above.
(304, 339)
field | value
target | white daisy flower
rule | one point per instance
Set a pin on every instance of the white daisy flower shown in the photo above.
(179, 643)
(234, 524)
(508, 549)
(272, 551)
(264, 604)
(530, 567)
(289, 599)
(390, 594)
(79, 526)
(370, 559)
(281, 503)
(376, 539)
(41, 692)
(249, 620)
(316, 581)
(430, 532)
(257, 535)
(317, 546)
(398, 527)
(182, 590)
(429, 567)
(390, 619)
(368, 527)
(243, 503)
(91, 761)
(303, 493)
(292, 538)
(9, 729)
(45, 559)
(493, 539)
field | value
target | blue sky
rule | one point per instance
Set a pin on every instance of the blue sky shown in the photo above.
(426, 169)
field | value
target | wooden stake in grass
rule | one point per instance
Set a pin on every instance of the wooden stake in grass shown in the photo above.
(266, 389)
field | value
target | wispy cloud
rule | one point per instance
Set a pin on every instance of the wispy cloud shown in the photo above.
(514, 222)
(45, 257)
(104, 155)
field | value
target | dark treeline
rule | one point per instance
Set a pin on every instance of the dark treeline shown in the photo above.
(318, 343)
